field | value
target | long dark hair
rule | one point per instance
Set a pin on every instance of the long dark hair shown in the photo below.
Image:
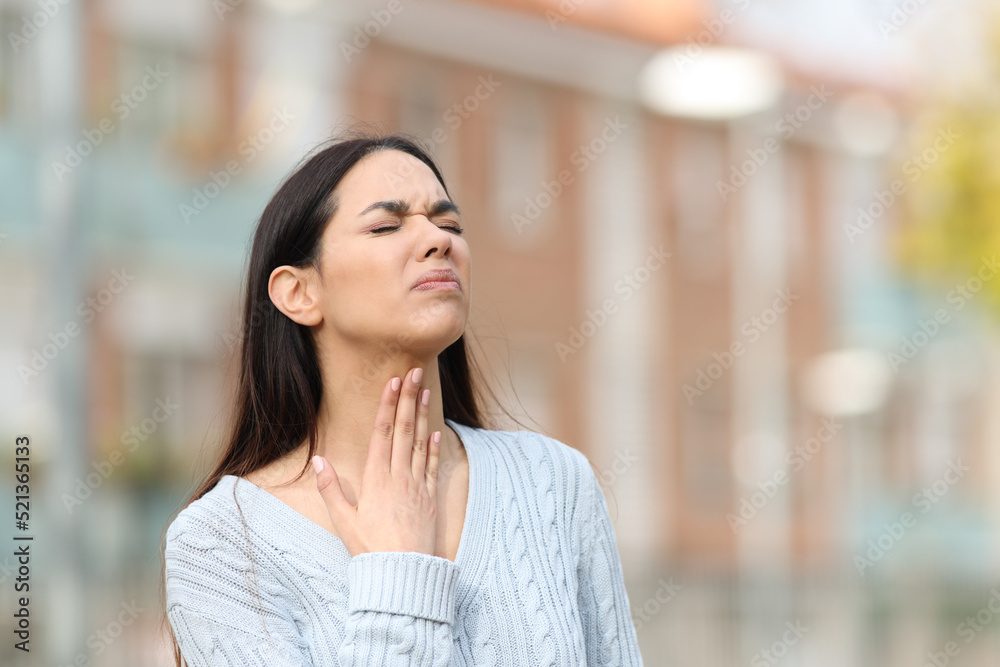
(279, 385)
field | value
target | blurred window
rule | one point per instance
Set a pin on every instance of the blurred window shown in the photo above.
(523, 164)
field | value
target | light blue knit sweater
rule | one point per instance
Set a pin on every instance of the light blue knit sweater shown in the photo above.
(537, 579)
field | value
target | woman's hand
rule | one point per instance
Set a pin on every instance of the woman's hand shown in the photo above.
(397, 501)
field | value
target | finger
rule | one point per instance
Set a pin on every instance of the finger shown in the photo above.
(380, 445)
(420, 439)
(406, 423)
(433, 456)
(328, 483)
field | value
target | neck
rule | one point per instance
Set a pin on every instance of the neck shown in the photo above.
(351, 395)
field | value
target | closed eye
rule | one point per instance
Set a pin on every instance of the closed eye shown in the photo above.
(454, 228)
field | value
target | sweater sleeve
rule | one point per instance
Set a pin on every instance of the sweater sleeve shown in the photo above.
(609, 634)
(224, 614)
(219, 604)
(401, 608)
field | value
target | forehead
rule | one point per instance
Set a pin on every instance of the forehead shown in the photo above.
(389, 174)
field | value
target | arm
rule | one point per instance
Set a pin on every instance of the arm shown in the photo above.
(609, 634)
(399, 611)
(219, 614)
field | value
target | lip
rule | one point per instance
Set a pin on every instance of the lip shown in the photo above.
(438, 279)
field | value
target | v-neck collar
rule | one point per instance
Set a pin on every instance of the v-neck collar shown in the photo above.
(301, 534)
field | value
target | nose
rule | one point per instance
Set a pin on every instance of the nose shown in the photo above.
(433, 240)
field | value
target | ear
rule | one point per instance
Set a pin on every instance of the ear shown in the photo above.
(294, 291)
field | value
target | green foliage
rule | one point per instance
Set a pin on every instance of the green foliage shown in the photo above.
(952, 216)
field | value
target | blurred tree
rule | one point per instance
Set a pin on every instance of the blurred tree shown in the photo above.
(953, 206)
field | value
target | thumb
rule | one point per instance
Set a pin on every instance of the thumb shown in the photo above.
(329, 487)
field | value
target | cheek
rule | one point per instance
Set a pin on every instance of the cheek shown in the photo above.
(360, 278)
(463, 261)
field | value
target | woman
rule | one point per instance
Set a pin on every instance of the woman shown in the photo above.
(361, 514)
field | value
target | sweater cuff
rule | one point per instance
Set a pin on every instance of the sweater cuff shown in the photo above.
(403, 582)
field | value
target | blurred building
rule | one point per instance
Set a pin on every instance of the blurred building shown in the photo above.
(705, 306)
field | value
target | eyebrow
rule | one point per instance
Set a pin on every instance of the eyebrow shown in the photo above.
(401, 208)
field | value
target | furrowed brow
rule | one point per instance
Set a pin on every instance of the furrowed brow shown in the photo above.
(444, 206)
(400, 208)
(395, 206)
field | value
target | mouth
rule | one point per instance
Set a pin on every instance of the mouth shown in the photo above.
(435, 285)
(438, 280)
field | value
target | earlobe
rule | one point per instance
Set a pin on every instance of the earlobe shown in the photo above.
(291, 289)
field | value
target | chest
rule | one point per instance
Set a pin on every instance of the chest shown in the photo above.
(453, 500)
(517, 593)
(452, 497)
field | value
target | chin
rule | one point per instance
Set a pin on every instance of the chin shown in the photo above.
(440, 316)
(438, 334)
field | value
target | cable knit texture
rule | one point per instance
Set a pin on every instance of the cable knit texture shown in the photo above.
(537, 579)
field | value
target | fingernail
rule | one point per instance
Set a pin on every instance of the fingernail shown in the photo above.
(417, 374)
(437, 436)
(317, 464)
(426, 398)
(395, 384)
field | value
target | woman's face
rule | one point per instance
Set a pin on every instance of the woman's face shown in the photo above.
(393, 224)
